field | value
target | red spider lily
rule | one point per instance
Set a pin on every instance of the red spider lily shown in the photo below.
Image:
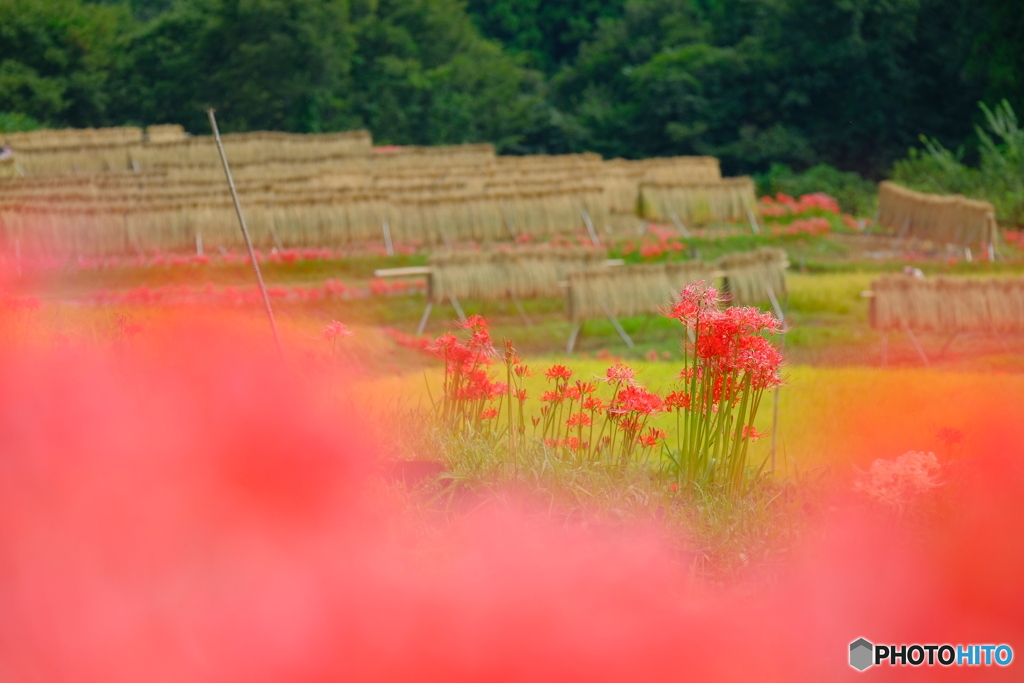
(475, 322)
(651, 437)
(636, 399)
(694, 300)
(586, 387)
(336, 329)
(522, 371)
(408, 340)
(593, 403)
(950, 436)
(552, 396)
(578, 420)
(619, 373)
(489, 414)
(677, 400)
(750, 433)
(630, 425)
(558, 372)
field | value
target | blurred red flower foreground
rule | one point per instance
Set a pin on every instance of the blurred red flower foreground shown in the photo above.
(185, 512)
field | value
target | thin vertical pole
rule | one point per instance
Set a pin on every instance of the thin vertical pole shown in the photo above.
(457, 307)
(917, 344)
(590, 227)
(679, 225)
(423, 320)
(775, 407)
(519, 307)
(753, 222)
(245, 231)
(573, 335)
(511, 228)
(618, 326)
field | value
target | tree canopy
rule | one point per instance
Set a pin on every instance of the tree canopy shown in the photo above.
(852, 83)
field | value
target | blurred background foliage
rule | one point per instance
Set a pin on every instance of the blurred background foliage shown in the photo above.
(784, 89)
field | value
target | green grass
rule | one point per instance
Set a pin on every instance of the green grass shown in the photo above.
(720, 537)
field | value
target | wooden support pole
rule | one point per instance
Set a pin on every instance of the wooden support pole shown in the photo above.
(590, 227)
(519, 307)
(775, 425)
(618, 327)
(775, 406)
(679, 225)
(245, 232)
(403, 272)
(917, 345)
(273, 236)
(457, 307)
(903, 231)
(423, 319)
(753, 222)
(573, 335)
(775, 302)
(643, 325)
(444, 238)
(511, 229)
(388, 246)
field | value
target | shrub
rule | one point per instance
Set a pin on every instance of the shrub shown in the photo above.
(856, 195)
(999, 177)
(12, 122)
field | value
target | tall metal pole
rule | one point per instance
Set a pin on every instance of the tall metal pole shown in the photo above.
(245, 231)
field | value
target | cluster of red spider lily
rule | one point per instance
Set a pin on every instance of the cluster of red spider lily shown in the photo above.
(801, 226)
(728, 366)
(468, 386)
(210, 295)
(573, 419)
(784, 205)
(658, 241)
(621, 423)
(156, 260)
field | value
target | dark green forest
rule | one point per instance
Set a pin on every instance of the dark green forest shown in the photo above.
(850, 83)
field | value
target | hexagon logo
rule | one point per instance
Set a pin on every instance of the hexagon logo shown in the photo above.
(861, 654)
